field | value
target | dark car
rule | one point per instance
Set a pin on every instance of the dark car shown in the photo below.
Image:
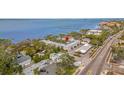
(43, 70)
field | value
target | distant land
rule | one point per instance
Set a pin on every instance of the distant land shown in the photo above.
(21, 29)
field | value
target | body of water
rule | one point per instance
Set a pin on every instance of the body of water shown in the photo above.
(21, 29)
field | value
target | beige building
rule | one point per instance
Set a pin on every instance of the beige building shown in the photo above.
(94, 32)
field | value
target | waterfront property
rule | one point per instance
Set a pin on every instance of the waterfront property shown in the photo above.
(94, 32)
(62, 53)
(68, 38)
(72, 45)
(53, 43)
(69, 46)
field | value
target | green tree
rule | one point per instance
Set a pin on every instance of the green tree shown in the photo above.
(84, 31)
(37, 58)
(8, 64)
(57, 38)
(36, 71)
(65, 66)
(5, 41)
(98, 40)
(30, 51)
(118, 53)
(38, 45)
(75, 35)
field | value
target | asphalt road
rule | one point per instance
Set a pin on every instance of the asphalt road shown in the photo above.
(95, 66)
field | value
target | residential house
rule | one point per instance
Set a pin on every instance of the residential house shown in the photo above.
(55, 57)
(68, 38)
(53, 43)
(40, 65)
(24, 60)
(72, 45)
(94, 32)
(69, 46)
(85, 41)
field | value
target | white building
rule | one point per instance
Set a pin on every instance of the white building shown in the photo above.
(94, 32)
(72, 45)
(77, 63)
(68, 46)
(55, 57)
(85, 41)
(53, 43)
(24, 60)
(39, 65)
(83, 49)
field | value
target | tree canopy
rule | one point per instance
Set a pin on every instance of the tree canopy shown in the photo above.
(8, 64)
(65, 66)
(76, 35)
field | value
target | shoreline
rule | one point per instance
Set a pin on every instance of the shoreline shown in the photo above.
(64, 26)
(66, 33)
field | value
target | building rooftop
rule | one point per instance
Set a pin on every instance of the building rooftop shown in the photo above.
(41, 64)
(54, 43)
(72, 43)
(84, 48)
(77, 63)
(86, 40)
(21, 58)
(60, 44)
(95, 30)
